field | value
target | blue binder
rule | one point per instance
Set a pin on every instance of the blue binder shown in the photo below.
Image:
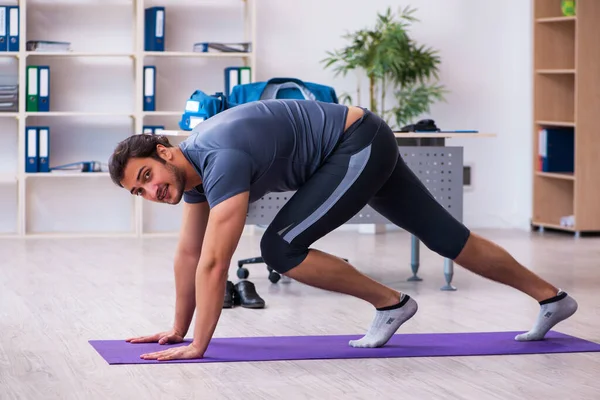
(154, 29)
(232, 79)
(13, 29)
(149, 88)
(44, 148)
(3, 28)
(44, 88)
(31, 149)
(556, 150)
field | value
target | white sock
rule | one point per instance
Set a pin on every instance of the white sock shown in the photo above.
(552, 311)
(386, 322)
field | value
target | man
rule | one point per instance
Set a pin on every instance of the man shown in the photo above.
(337, 159)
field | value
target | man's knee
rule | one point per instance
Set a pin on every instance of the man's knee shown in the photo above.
(279, 254)
(447, 243)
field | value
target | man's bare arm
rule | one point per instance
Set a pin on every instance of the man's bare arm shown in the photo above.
(193, 228)
(225, 227)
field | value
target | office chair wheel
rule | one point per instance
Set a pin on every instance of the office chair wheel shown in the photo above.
(243, 273)
(274, 277)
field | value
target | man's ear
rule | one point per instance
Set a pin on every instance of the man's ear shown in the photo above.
(164, 152)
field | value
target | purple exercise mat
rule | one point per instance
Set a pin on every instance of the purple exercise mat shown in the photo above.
(336, 347)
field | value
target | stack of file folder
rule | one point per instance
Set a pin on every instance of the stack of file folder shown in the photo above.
(48, 46)
(9, 93)
(38, 88)
(79, 166)
(218, 47)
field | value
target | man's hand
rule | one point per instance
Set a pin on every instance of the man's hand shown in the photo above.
(175, 353)
(168, 337)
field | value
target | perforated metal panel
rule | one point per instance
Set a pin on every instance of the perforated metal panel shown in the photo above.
(438, 167)
(441, 170)
(264, 210)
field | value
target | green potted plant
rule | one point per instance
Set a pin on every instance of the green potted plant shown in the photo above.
(391, 61)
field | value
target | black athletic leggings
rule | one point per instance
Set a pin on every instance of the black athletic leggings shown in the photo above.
(365, 168)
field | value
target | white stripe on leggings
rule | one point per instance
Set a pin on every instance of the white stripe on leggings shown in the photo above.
(356, 166)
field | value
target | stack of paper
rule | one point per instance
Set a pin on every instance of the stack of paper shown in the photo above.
(209, 47)
(9, 93)
(48, 46)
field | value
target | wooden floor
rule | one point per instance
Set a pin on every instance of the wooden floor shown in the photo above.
(55, 295)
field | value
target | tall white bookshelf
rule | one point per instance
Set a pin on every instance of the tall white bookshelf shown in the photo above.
(96, 96)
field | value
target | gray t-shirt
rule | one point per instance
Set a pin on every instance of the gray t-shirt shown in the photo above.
(262, 147)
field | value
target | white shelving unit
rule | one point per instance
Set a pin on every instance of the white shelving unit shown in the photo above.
(96, 100)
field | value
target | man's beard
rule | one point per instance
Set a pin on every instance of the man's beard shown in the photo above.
(179, 182)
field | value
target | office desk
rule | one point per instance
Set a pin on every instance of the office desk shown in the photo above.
(431, 163)
(439, 167)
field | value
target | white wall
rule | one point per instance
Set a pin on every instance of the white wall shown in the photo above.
(485, 48)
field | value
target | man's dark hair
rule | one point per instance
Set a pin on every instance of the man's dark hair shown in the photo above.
(136, 146)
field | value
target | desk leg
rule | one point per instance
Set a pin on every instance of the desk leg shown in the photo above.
(414, 258)
(448, 274)
(431, 150)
